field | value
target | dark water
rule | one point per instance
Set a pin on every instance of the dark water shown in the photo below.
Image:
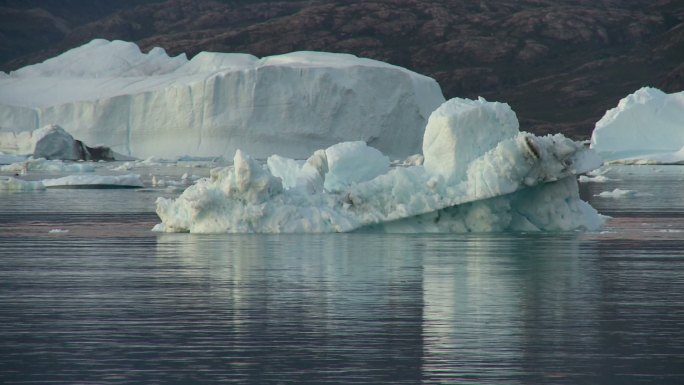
(109, 302)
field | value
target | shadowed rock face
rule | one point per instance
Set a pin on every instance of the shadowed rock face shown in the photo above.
(559, 63)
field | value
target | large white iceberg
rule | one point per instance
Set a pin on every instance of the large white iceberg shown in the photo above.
(645, 127)
(150, 104)
(504, 180)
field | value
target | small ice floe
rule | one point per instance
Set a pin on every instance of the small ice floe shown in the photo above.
(42, 164)
(151, 161)
(595, 179)
(158, 182)
(620, 193)
(126, 166)
(95, 181)
(8, 183)
(171, 185)
(58, 231)
(189, 178)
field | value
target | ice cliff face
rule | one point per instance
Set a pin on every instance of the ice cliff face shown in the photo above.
(154, 105)
(646, 126)
(517, 181)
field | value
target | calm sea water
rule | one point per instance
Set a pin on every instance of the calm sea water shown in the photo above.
(110, 302)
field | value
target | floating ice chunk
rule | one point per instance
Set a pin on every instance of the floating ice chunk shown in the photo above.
(126, 166)
(620, 193)
(644, 128)
(249, 198)
(151, 161)
(58, 231)
(8, 183)
(595, 179)
(41, 164)
(95, 181)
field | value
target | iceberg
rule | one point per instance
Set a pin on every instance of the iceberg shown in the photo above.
(150, 104)
(644, 128)
(479, 173)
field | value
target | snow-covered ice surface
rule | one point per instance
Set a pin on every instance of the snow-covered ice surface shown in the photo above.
(95, 181)
(150, 104)
(646, 127)
(8, 183)
(505, 180)
(344, 164)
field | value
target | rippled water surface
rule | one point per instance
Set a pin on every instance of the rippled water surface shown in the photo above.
(105, 301)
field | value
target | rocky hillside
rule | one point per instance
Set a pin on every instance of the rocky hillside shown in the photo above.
(559, 63)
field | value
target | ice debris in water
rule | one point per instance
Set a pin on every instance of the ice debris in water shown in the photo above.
(44, 165)
(8, 183)
(95, 181)
(72, 181)
(620, 193)
(479, 174)
(58, 231)
(595, 179)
